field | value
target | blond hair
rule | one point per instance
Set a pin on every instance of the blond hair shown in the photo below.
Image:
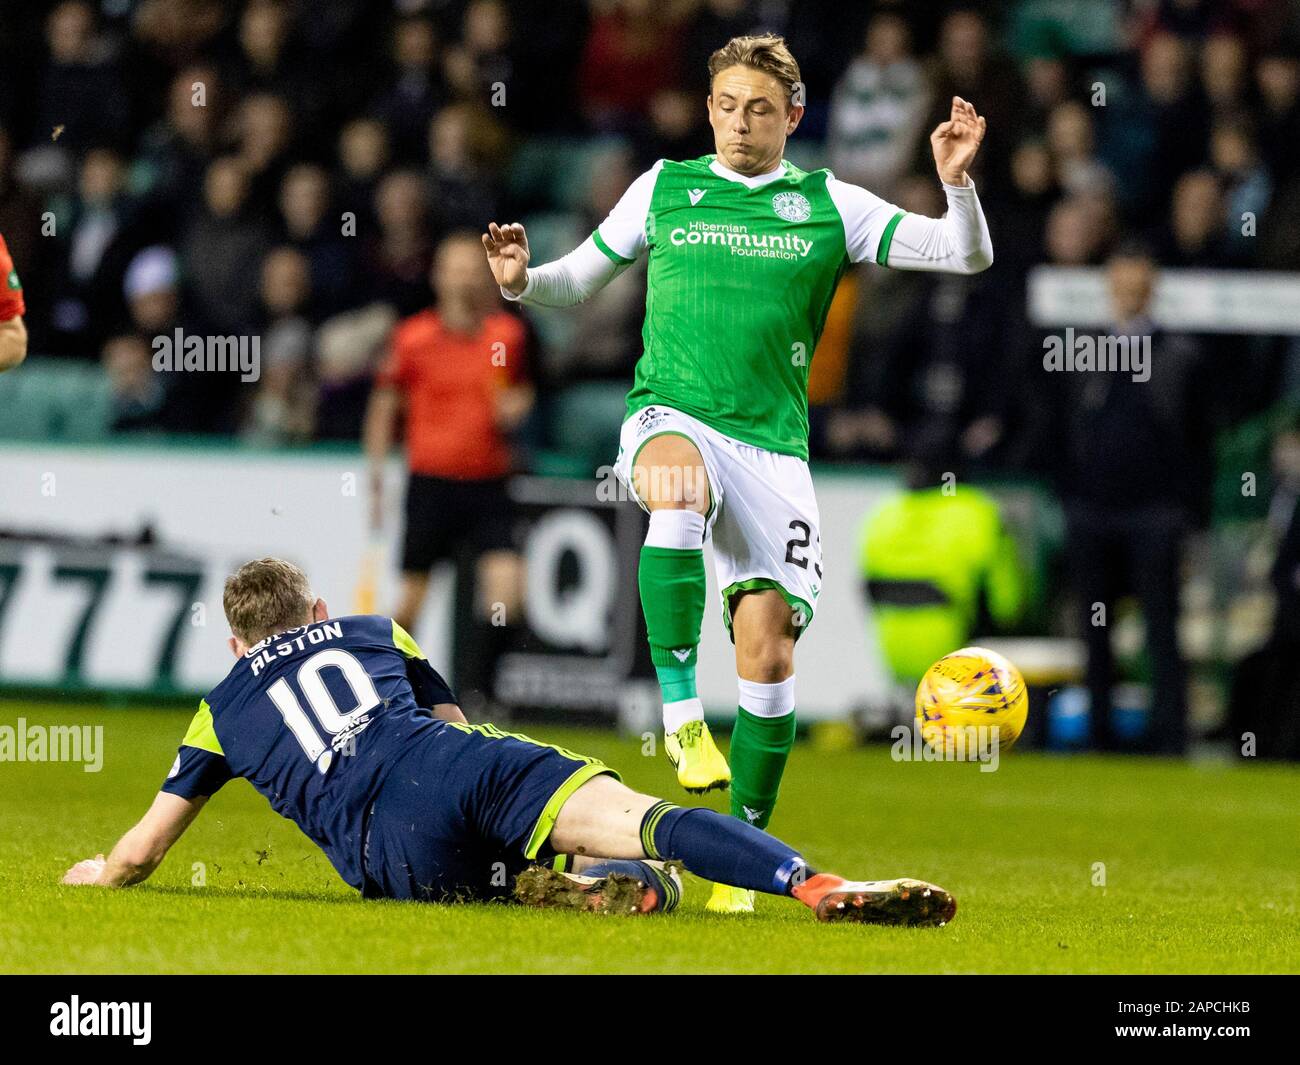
(266, 596)
(767, 52)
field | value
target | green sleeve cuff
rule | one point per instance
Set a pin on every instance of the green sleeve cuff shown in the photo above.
(887, 238)
(607, 251)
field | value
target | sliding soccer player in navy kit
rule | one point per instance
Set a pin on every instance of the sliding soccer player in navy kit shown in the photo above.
(347, 730)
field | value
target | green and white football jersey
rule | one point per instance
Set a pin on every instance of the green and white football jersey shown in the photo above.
(740, 278)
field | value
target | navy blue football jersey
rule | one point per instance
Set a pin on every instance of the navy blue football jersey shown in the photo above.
(314, 718)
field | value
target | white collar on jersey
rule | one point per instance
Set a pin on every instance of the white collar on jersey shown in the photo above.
(758, 180)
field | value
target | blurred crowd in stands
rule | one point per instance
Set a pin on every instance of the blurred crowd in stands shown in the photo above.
(286, 170)
(290, 169)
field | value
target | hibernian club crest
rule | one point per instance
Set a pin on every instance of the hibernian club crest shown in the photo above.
(792, 206)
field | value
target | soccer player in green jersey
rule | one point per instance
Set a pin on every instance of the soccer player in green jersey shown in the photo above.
(745, 252)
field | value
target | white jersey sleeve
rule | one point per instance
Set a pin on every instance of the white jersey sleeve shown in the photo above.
(869, 221)
(612, 248)
(622, 236)
(570, 279)
(874, 230)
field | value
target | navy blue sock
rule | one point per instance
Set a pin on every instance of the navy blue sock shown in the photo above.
(722, 849)
(669, 894)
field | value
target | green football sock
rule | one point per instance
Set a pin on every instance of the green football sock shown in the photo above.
(759, 748)
(671, 582)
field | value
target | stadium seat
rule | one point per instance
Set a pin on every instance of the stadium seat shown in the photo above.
(552, 234)
(56, 399)
(556, 171)
(585, 421)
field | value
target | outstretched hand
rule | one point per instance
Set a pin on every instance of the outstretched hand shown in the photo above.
(507, 254)
(85, 872)
(956, 141)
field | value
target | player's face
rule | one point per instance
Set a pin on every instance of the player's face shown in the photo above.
(751, 116)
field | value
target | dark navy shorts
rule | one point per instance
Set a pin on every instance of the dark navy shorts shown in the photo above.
(464, 811)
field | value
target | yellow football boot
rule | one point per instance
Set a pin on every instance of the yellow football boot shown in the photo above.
(728, 899)
(700, 765)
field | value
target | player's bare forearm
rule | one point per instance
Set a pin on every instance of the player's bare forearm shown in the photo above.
(141, 850)
(133, 860)
(126, 865)
(13, 343)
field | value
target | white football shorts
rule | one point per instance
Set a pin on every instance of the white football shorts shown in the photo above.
(763, 519)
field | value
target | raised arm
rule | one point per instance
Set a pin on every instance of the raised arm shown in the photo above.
(566, 281)
(142, 849)
(957, 243)
(611, 249)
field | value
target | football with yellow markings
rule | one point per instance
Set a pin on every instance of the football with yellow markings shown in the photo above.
(970, 699)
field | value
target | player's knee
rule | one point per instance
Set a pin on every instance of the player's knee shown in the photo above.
(674, 488)
(673, 504)
(767, 659)
(670, 475)
(602, 817)
(770, 670)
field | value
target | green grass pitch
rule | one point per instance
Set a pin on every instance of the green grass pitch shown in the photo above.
(1201, 873)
